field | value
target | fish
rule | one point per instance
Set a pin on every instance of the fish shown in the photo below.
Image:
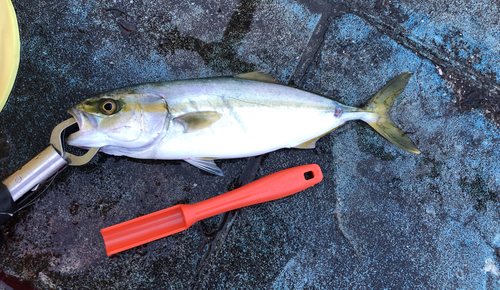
(205, 119)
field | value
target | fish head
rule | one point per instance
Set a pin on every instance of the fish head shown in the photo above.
(126, 120)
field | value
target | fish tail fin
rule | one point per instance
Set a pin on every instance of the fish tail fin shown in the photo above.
(380, 107)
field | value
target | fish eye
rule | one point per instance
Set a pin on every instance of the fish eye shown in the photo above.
(108, 107)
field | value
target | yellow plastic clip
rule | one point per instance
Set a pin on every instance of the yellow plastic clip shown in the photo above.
(10, 49)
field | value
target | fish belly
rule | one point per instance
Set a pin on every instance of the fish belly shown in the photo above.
(256, 118)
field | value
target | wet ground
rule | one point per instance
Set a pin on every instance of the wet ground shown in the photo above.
(381, 218)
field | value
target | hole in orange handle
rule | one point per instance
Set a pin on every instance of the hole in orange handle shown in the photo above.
(308, 175)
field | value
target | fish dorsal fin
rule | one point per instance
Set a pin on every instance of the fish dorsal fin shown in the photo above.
(195, 121)
(310, 144)
(257, 76)
(206, 164)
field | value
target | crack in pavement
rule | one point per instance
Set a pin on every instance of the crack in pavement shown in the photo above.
(327, 11)
(396, 34)
(199, 280)
(204, 270)
(338, 217)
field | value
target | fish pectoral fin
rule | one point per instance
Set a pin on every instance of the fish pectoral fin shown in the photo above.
(195, 121)
(205, 164)
(257, 76)
(310, 144)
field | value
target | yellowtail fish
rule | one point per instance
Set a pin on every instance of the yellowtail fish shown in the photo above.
(200, 120)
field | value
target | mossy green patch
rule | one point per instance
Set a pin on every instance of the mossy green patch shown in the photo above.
(220, 55)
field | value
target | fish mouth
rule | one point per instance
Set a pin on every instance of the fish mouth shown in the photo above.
(87, 125)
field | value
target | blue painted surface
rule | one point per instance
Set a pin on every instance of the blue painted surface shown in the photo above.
(412, 212)
(381, 218)
(472, 37)
(287, 27)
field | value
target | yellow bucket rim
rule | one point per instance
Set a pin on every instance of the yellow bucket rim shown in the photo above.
(10, 49)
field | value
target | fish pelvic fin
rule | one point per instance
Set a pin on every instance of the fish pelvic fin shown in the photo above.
(206, 164)
(310, 144)
(380, 107)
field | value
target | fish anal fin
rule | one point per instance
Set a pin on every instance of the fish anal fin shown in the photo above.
(257, 76)
(206, 164)
(195, 121)
(310, 144)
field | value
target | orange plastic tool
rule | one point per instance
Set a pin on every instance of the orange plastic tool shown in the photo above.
(174, 219)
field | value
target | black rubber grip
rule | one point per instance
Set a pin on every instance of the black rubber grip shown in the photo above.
(7, 204)
(7, 207)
